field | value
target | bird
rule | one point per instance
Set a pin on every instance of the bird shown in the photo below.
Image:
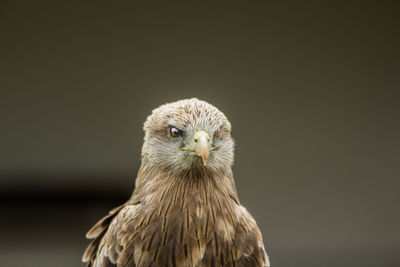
(184, 210)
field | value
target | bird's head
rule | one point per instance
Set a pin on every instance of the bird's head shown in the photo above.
(188, 134)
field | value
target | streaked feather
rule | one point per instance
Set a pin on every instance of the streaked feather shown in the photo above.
(179, 217)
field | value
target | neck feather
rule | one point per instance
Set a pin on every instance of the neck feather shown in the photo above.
(151, 179)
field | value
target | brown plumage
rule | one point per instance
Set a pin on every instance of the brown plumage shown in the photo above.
(184, 210)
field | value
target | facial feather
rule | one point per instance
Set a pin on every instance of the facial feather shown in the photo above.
(189, 116)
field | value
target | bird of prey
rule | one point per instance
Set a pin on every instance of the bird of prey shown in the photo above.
(184, 210)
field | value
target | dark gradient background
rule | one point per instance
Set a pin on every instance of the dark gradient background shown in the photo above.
(312, 91)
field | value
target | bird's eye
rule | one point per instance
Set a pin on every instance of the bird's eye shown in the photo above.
(218, 132)
(175, 133)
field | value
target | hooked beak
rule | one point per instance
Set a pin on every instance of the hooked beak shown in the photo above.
(201, 147)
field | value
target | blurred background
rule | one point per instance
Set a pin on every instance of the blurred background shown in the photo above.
(311, 89)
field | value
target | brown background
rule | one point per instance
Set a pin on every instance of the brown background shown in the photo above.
(312, 91)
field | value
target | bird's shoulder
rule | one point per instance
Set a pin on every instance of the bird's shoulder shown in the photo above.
(102, 248)
(249, 235)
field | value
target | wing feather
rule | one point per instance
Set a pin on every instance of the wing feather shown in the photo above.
(97, 233)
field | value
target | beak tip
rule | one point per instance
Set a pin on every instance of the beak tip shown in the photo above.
(204, 158)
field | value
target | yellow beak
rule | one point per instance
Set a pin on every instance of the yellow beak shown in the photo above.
(201, 147)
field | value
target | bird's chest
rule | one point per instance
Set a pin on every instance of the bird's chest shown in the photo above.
(190, 231)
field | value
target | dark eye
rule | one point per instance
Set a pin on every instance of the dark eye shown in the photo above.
(175, 133)
(218, 132)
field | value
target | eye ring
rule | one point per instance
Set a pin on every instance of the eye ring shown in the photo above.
(175, 132)
(218, 132)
